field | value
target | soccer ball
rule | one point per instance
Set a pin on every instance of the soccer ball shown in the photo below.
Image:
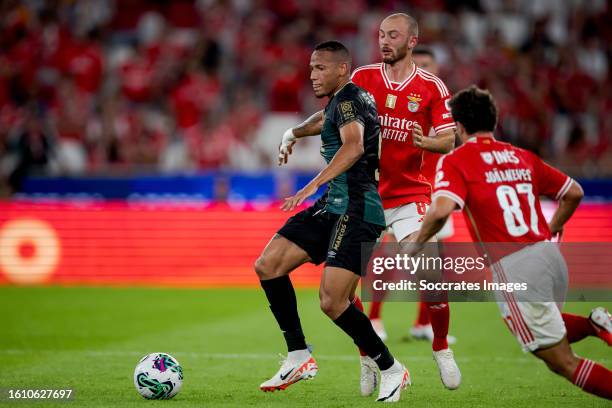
(158, 376)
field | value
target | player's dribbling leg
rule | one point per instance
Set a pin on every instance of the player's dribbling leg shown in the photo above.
(586, 374)
(278, 259)
(337, 286)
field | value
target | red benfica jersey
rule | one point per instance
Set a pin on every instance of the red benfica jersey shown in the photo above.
(421, 98)
(497, 185)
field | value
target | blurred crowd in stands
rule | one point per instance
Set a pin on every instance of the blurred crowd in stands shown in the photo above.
(125, 86)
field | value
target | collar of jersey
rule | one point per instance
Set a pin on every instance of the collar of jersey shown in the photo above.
(338, 91)
(398, 87)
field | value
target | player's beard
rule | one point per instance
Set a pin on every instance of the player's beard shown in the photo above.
(399, 55)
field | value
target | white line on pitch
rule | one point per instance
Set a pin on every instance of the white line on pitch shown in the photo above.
(255, 356)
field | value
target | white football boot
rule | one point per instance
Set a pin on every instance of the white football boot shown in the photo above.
(602, 321)
(299, 365)
(392, 382)
(449, 371)
(369, 376)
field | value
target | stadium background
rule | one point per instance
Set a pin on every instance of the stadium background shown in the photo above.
(138, 147)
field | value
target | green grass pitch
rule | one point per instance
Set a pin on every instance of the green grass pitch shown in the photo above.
(90, 339)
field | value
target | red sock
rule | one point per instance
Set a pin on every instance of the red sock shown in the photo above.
(439, 315)
(578, 327)
(422, 315)
(593, 378)
(375, 310)
(359, 305)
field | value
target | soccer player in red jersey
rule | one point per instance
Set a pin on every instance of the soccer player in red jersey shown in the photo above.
(423, 58)
(498, 186)
(410, 102)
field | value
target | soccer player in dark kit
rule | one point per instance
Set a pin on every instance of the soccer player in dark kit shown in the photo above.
(333, 229)
(410, 102)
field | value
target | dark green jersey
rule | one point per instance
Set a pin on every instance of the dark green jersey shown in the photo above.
(354, 192)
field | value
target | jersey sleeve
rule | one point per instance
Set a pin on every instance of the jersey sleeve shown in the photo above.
(449, 182)
(347, 111)
(550, 182)
(441, 117)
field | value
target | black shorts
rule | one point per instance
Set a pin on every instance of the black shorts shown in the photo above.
(331, 238)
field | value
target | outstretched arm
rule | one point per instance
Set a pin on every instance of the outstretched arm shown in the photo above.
(348, 154)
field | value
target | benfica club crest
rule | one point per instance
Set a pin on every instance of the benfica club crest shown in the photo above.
(487, 157)
(413, 103)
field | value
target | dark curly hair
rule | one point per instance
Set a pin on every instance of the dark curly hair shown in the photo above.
(475, 109)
